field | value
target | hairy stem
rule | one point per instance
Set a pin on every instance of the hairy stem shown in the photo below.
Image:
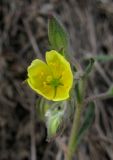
(72, 146)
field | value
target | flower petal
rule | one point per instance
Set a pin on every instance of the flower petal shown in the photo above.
(62, 93)
(60, 68)
(38, 73)
(54, 61)
(37, 66)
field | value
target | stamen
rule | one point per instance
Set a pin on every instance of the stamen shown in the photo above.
(49, 78)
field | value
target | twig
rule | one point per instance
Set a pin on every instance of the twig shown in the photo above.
(102, 73)
(98, 97)
(62, 145)
(33, 139)
(91, 31)
(32, 40)
(104, 139)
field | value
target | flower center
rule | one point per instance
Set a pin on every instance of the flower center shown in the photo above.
(54, 82)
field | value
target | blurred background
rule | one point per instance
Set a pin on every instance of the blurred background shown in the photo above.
(23, 37)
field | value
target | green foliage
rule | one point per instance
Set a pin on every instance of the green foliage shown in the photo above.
(54, 119)
(104, 58)
(88, 119)
(110, 91)
(89, 67)
(79, 90)
(52, 114)
(57, 35)
(80, 84)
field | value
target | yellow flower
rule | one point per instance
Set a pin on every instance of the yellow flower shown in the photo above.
(52, 80)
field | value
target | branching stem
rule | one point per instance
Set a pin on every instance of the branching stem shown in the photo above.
(72, 146)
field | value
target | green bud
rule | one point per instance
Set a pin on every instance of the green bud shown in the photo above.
(41, 107)
(54, 119)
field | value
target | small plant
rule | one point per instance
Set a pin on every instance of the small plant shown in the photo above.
(62, 87)
(52, 80)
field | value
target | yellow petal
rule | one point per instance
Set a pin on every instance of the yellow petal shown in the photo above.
(37, 66)
(38, 74)
(60, 68)
(39, 88)
(55, 61)
(67, 78)
(62, 93)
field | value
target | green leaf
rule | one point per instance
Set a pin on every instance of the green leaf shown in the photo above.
(104, 58)
(89, 67)
(88, 119)
(110, 91)
(57, 35)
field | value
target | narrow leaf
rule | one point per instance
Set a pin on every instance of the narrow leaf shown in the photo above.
(89, 67)
(104, 58)
(87, 121)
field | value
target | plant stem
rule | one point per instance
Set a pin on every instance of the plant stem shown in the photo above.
(72, 146)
